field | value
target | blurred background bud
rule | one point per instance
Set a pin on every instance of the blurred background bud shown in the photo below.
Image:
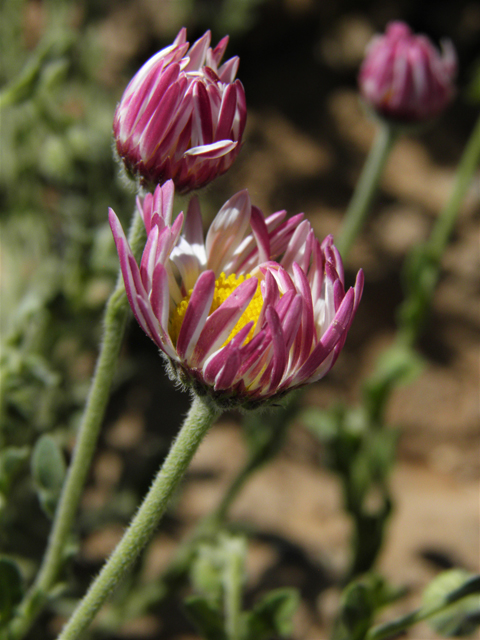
(405, 78)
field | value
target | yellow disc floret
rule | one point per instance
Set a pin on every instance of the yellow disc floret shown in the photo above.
(224, 286)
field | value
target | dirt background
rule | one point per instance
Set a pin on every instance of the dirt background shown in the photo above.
(306, 140)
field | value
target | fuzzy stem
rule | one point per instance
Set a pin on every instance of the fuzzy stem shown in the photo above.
(199, 419)
(144, 596)
(366, 188)
(116, 314)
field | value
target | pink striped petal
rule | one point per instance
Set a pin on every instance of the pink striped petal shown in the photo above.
(144, 207)
(155, 332)
(359, 284)
(338, 294)
(197, 52)
(212, 151)
(279, 360)
(271, 296)
(130, 272)
(165, 79)
(253, 352)
(227, 113)
(308, 330)
(225, 378)
(215, 363)
(196, 314)
(332, 335)
(292, 320)
(147, 263)
(228, 70)
(202, 129)
(260, 232)
(282, 235)
(316, 272)
(168, 239)
(163, 200)
(160, 296)
(193, 229)
(296, 245)
(227, 230)
(223, 320)
(218, 52)
(272, 221)
(151, 136)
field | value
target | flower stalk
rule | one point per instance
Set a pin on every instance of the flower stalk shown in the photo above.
(272, 433)
(424, 266)
(199, 419)
(366, 188)
(466, 169)
(116, 315)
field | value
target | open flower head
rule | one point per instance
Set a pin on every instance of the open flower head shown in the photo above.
(255, 309)
(182, 116)
(405, 78)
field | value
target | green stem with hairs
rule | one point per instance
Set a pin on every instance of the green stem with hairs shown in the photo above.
(116, 314)
(144, 596)
(199, 419)
(366, 188)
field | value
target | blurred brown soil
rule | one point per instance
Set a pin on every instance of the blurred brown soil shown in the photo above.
(306, 140)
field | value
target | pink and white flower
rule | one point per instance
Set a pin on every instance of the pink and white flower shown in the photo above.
(182, 116)
(255, 309)
(405, 78)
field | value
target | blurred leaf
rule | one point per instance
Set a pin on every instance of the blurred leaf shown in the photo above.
(48, 470)
(207, 570)
(462, 616)
(356, 611)
(322, 424)
(11, 461)
(360, 601)
(11, 589)
(37, 70)
(206, 617)
(419, 275)
(272, 616)
(397, 365)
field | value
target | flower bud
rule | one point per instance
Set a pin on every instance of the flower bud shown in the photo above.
(182, 116)
(405, 78)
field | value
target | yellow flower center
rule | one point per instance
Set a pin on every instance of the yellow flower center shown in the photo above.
(224, 286)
